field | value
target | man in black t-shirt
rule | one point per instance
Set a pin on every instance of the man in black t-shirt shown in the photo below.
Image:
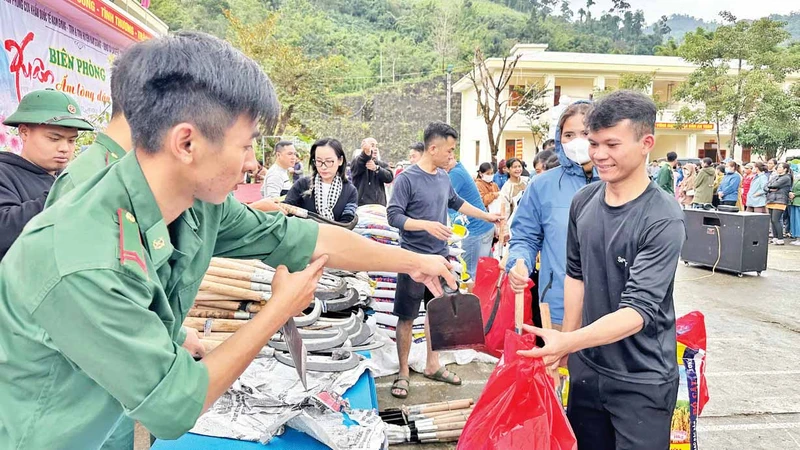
(625, 236)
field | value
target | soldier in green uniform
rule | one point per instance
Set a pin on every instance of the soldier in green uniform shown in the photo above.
(93, 293)
(107, 149)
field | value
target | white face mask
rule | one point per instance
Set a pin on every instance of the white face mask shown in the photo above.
(577, 150)
(487, 178)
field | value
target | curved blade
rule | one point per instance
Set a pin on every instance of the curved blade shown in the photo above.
(297, 349)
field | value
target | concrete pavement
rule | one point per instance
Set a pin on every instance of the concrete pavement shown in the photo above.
(753, 364)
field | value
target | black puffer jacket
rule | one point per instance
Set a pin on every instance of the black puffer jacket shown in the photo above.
(23, 190)
(371, 185)
(778, 189)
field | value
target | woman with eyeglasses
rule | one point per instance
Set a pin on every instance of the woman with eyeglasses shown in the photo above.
(327, 191)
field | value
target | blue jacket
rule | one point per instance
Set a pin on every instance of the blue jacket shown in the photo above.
(541, 224)
(757, 195)
(729, 187)
(465, 187)
(500, 179)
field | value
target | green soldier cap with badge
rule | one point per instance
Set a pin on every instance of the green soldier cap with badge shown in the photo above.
(48, 107)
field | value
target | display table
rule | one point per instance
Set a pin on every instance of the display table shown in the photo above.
(361, 396)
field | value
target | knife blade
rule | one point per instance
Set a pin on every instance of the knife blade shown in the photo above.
(297, 349)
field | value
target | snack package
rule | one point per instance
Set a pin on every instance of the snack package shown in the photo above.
(683, 431)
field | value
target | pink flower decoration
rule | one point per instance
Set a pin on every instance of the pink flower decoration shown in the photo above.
(4, 138)
(16, 145)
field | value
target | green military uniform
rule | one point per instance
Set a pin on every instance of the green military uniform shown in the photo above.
(101, 154)
(92, 298)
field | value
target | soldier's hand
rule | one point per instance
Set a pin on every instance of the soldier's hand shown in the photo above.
(192, 343)
(293, 292)
(430, 268)
(266, 205)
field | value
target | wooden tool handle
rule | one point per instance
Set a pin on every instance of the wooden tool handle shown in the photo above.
(218, 336)
(229, 282)
(231, 291)
(450, 419)
(225, 305)
(451, 426)
(544, 310)
(229, 264)
(206, 296)
(448, 434)
(250, 262)
(446, 413)
(448, 406)
(519, 299)
(218, 314)
(233, 274)
(228, 325)
(253, 307)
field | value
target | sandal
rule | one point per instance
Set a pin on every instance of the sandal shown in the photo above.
(397, 387)
(439, 376)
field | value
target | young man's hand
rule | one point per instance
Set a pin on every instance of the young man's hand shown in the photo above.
(266, 205)
(556, 345)
(438, 230)
(429, 269)
(193, 345)
(293, 292)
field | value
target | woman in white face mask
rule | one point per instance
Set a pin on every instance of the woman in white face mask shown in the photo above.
(542, 216)
(486, 186)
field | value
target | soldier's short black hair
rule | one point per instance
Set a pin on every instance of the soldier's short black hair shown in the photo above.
(438, 130)
(671, 156)
(418, 147)
(120, 69)
(621, 105)
(196, 78)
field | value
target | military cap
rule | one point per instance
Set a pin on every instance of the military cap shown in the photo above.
(49, 107)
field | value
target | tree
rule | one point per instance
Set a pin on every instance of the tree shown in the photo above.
(531, 105)
(443, 33)
(739, 64)
(302, 83)
(775, 125)
(669, 48)
(498, 104)
(566, 11)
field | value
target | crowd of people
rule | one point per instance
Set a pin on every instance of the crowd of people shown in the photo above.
(121, 237)
(769, 187)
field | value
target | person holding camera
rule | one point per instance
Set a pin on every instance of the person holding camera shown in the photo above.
(370, 174)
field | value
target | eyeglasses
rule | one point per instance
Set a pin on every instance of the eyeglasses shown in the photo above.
(325, 164)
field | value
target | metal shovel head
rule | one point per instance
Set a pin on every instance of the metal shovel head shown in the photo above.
(455, 322)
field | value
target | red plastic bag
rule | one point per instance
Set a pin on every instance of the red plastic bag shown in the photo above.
(691, 332)
(518, 409)
(497, 311)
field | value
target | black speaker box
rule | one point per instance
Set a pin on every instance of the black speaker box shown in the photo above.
(744, 238)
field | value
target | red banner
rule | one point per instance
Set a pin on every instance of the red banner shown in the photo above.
(100, 10)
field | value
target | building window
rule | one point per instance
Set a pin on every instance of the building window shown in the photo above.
(514, 95)
(511, 148)
(477, 153)
(556, 95)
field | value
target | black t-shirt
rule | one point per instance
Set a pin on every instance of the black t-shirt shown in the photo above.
(627, 257)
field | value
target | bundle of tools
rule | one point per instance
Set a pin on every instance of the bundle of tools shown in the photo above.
(332, 328)
(431, 422)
